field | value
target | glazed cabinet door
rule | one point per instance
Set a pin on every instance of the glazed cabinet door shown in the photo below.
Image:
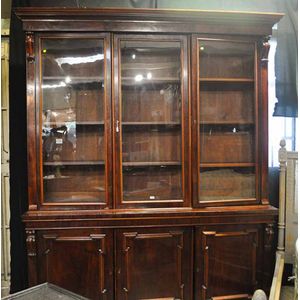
(154, 264)
(229, 261)
(73, 120)
(78, 260)
(151, 120)
(225, 121)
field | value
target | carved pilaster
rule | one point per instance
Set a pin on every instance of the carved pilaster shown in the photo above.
(31, 257)
(29, 43)
(268, 256)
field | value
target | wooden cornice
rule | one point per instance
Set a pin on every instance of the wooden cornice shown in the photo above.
(92, 19)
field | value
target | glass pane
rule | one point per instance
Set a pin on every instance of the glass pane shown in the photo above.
(73, 120)
(227, 183)
(226, 121)
(151, 120)
(151, 182)
(222, 59)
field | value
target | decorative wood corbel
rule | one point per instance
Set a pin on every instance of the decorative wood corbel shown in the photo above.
(29, 43)
(265, 50)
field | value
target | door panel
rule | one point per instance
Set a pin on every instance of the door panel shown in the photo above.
(154, 264)
(225, 128)
(78, 260)
(151, 113)
(228, 261)
(74, 120)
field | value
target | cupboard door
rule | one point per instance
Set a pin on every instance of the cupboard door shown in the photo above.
(78, 260)
(225, 132)
(228, 261)
(151, 121)
(74, 114)
(154, 264)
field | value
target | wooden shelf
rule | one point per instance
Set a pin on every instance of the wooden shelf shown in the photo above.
(150, 164)
(226, 165)
(89, 122)
(130, 81)
(226, 123)
(74, 163)
(74, 78)
(151, 123)
(233, 80)
(76, 122)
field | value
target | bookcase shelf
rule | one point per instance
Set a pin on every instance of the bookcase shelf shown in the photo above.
(151, 163)
(74, 163)
(151, 123)
(226, 165)
(225, 80)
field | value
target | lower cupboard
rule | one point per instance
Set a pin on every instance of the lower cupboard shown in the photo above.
(204, 262)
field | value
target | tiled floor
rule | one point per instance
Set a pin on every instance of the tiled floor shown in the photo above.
(287, 293)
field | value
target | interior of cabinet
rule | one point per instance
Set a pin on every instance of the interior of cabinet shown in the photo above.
(73, 119)
(151, 119)
(226, 110)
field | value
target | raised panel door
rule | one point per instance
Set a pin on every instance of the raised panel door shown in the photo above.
(228, 261)
(154, 264)
(78, 260)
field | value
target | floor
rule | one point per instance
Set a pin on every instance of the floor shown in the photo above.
(287, 293)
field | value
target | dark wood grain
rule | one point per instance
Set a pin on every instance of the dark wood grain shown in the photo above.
(263, 111)
(31, 125)
(230, 255)
(154, 20)
(145, 253)
(80, 261)
(32, 257)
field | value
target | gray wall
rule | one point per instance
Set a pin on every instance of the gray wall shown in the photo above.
(237, 5)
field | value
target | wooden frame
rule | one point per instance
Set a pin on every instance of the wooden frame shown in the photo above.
(196, 120)
(107, 115)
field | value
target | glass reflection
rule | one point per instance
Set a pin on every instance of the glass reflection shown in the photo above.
(73, 120)
(151, 120)
(226, 121)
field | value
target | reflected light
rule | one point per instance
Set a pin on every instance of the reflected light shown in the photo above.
(79, 60)
(68, 79)
(133, 56)
(53, 86)
(201, 48)
(149, 75)
(138, 77)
